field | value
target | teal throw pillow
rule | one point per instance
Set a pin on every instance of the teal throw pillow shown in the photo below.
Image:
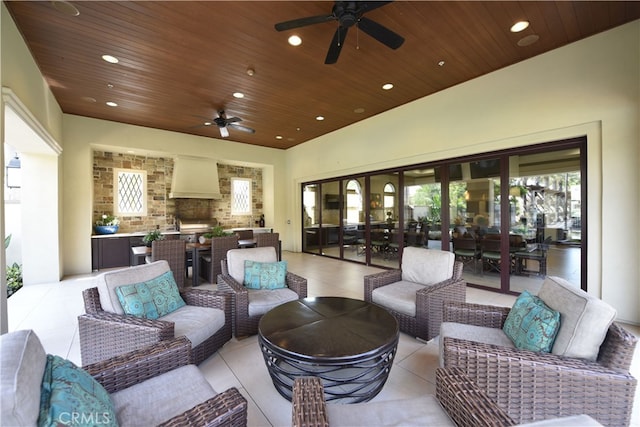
(70, 396)
(265, 275)
(531, 324)
(151, 299)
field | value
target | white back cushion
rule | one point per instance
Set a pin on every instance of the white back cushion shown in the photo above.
(109, 281)
(584, 319)
(427, 266)
(237, 257)
(22, 362)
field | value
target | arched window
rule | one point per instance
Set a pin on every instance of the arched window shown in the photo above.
(354, 200)
(389, 200)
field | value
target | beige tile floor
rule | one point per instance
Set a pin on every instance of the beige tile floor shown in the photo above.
(52, 309)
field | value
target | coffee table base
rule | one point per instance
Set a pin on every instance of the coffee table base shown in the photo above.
(350, 381)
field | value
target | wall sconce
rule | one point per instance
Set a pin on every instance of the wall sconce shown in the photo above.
(14, 173)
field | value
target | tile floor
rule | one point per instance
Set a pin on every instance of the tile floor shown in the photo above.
(52, 309)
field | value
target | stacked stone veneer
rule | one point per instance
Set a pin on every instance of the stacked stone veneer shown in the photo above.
(161, 210)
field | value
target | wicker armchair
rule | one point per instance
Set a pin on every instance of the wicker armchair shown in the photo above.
(107, 333)
(457, 402)
(250, 305)
(532, 386)
(431, 277)
(140, 385)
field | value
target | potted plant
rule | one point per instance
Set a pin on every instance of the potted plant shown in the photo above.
(151, 236)
(108, 224)
(217, 231)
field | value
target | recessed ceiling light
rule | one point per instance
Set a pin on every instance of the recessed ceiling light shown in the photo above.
(359, 110)
(207, 123)
(66, 8)
(320, 118)
(387, 86)
(238, 95)
(519, 26)
(528, 40)
(278, 136)
(111, 59)
(112, 104)
(295, 40)
(441, 64)
(89, 99)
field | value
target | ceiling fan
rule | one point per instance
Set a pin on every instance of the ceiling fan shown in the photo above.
(223, 122)
(348, 14)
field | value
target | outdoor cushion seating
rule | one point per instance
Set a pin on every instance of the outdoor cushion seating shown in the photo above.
(155, 385)
(458, 401)
(586, 372)
(414, 294)
(251, 304)
(106, 330)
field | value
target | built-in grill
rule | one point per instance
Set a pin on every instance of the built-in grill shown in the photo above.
(192, 228)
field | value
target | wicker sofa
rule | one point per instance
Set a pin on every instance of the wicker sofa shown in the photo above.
(458, 402)
(415, 293)
(155, 385)
(530, 385)
(105, 331)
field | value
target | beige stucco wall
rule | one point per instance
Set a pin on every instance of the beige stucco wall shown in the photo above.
(591, 88)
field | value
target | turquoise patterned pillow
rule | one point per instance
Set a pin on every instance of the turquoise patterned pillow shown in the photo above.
(151, 299)
(70, 396)
(265, 275)
(531, 324)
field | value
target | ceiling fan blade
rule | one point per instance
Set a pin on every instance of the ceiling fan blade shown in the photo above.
(367, 6)
(224, 132)
(303, 22)
(336, 45)
(380, 33)
(241, 128)
(232, 120)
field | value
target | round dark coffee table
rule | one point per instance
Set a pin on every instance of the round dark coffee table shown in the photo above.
(348, 343)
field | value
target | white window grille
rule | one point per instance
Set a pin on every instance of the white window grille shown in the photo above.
(131, 192)
(241, 196)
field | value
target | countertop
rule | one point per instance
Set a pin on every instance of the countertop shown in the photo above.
(132, 234)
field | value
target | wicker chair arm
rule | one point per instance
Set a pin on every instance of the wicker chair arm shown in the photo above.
(91, 299)
(206, 298)
(475, 314)
(125, 370)
(373, 281)
(430, 301)
(616, 352)
(226, 283)
(228, 408)
(308, 404)
(465, 403)
(297, 284)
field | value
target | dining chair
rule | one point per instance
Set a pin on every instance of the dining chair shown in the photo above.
(172, 251)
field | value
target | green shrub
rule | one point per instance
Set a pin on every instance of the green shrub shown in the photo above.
(14, 278)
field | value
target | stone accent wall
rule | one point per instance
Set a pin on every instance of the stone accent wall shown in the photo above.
(161, 210)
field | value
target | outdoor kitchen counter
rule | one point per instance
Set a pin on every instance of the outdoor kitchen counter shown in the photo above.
(132, 234)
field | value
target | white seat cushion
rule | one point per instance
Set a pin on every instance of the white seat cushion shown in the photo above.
(196, 323)
(584, 319)
(570, 421)
(263, 300)
(399, 296)
(237, 257)
(481, 334)
(23, 361)
(427, 266)
(419, 411)
(109, 281)
(161, 398)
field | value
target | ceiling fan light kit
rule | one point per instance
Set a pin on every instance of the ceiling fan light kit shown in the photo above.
(348, 14)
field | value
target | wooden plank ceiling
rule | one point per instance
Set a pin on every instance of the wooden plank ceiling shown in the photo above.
(180, 62)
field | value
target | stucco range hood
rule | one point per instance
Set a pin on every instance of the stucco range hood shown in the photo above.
(195, 178)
